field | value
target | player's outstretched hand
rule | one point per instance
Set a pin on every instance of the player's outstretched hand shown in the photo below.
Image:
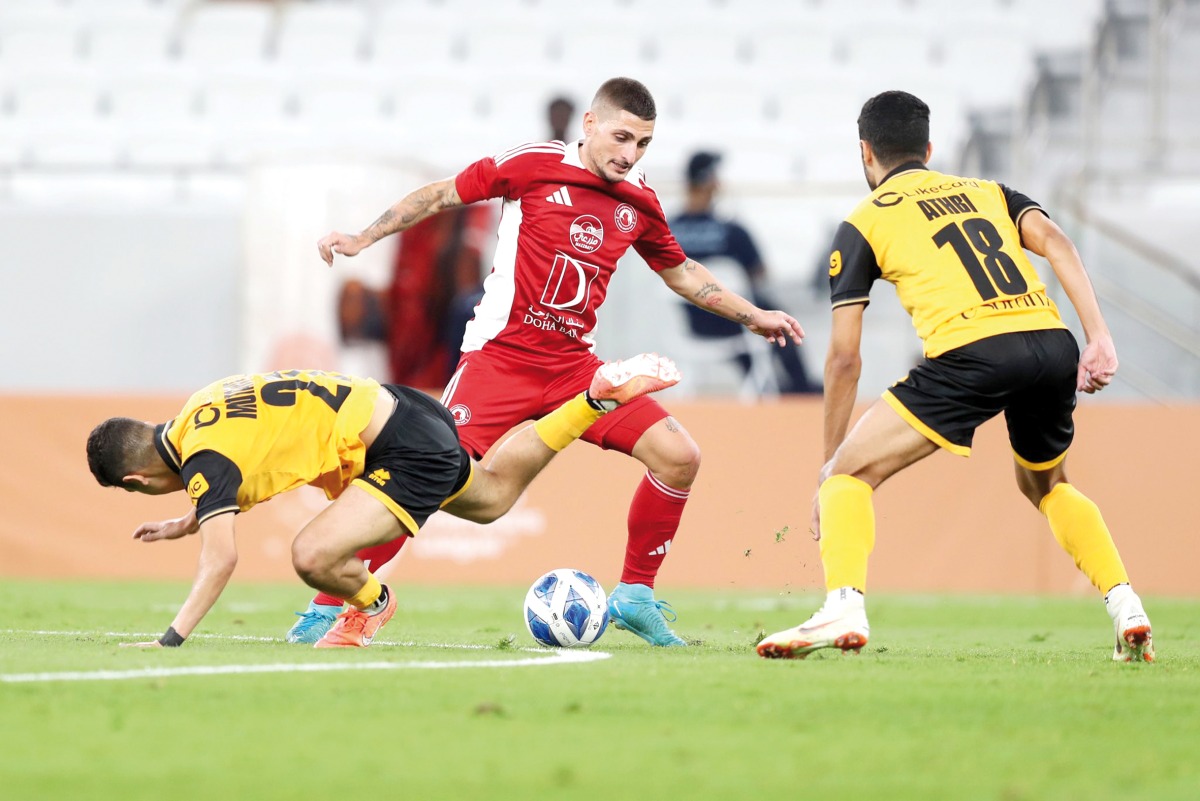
(777, 327)
(164, 529)
(337, 242)
(1097, 365)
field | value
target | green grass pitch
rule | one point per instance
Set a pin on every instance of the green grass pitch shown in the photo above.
(1011, 699)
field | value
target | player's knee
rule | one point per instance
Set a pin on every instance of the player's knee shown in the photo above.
(679, 463)
(309, 561)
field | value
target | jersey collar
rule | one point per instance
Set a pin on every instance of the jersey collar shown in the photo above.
(907, 166)
(164, 447)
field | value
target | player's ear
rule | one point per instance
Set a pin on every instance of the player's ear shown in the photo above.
(589, 122)
(928, 151)
(135, 482)
(868, 155)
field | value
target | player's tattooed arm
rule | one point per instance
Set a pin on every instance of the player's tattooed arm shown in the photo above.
(709, 294)
(414, 207)
(407, 212)
(693, 282)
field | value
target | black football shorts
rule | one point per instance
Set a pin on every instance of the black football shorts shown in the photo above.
(1028, 375)
(416, 464)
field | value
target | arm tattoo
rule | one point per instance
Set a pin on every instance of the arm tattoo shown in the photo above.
(672, 426)
(384, 219)
(689, 266)
(416, 206)
(706, 290)
(744, 319)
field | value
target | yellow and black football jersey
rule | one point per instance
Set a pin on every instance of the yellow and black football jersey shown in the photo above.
(246, 438)
(952, 248)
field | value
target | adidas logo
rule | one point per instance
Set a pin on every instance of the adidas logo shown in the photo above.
(661, 550)
(561, 197)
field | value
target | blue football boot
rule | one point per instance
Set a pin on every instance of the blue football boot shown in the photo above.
(632, 608)
(313, 623)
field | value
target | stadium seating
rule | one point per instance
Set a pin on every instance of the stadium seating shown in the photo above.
(198, 92)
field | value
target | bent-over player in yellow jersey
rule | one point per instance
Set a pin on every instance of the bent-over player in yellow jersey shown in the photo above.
(954, 248)
(388, 457)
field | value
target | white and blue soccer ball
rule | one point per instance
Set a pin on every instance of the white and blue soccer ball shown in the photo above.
(566, 608)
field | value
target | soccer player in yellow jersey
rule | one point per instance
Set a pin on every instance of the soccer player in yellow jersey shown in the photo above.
(389, 456)
(993, 342)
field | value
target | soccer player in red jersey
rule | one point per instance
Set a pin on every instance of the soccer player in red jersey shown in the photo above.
(570, 211)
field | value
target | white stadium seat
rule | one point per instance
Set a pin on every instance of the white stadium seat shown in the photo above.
(226, 33)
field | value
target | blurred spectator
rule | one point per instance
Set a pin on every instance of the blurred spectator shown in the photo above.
(436, 282)
(559, 114)
(718, 242)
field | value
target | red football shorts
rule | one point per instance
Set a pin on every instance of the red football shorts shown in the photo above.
(496, 388)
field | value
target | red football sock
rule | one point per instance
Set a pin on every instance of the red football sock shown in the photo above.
(653, 520)
(374, 558)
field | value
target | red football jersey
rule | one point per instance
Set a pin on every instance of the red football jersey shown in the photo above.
(561, 232)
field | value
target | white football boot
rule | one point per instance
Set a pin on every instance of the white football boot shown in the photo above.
(1135, 642)
(840, 623)
(623, 380)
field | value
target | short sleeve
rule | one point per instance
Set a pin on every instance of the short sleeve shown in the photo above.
(1018, 204)
(480, 181)
(852, 267)
(655, 243)
(212, 482)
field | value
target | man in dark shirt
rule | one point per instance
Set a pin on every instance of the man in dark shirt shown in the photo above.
(713, 240)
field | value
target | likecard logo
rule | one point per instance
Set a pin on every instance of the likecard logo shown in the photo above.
(587, 234)
(197, 486)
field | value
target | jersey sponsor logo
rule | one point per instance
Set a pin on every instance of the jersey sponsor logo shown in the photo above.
(835, 263)
(570, 284)
(461, 414)
(380, 476)
(548, 321)
(625, 217)
(587, 234)
(205, 416)
(197, 487)
(560, 196)
(888, 199)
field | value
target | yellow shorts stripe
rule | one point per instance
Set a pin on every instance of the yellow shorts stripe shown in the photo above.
(466, 485)
(1039, 465)
(403, 516)
(924, 430)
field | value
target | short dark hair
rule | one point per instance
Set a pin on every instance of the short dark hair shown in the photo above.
(626, 94)
(117, 447)
(896, 126)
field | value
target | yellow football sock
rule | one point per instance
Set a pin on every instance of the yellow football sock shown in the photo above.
(1080, 530)
(847, 531)
(565, 424)
(368, 595)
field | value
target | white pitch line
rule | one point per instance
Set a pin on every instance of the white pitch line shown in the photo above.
(154, 635)
(556, 657)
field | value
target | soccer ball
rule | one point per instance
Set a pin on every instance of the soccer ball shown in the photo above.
(566, 608)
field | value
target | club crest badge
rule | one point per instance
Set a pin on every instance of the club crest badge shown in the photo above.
(626, 218)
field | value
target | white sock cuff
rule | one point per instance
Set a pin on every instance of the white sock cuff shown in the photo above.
(845, 597)
(1118, 595)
